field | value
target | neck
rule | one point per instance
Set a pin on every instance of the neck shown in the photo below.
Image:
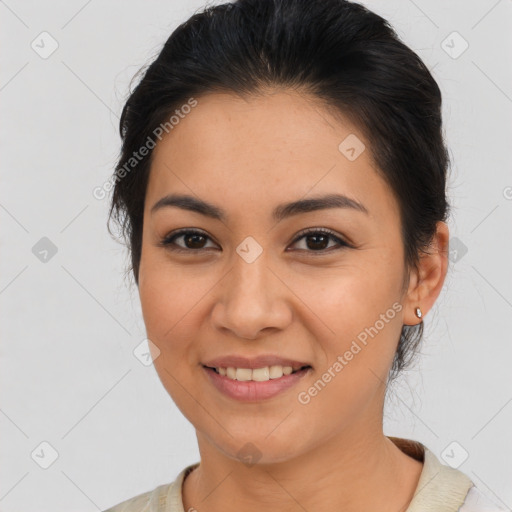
(353, 471)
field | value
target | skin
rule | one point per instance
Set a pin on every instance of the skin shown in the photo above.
(247, 156)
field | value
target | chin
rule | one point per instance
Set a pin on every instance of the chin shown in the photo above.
(259, 448)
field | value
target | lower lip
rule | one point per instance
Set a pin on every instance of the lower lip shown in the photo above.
(253, 391)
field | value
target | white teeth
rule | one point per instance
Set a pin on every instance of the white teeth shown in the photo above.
(257, 374)
(243, 374)
(276, 372)
(260, 374)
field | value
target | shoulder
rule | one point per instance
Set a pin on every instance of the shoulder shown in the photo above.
(476, 502)
(456, 485)
(142, 502)
(164, 498)
(441, 487)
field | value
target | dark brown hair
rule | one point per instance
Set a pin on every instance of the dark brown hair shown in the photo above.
(338, 51)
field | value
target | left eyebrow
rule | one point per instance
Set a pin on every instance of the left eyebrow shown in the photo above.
(281, 212)
(319, 203)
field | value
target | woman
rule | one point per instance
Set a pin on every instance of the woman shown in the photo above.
(281, 189)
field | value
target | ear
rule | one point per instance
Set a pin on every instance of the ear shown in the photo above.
(426, 283)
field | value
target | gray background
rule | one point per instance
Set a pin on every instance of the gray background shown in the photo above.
(70, 322)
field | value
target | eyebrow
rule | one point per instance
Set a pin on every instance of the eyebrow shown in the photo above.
(281, 212)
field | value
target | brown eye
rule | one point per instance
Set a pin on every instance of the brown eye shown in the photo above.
(317, 240)
(194, 241)
(191, 241)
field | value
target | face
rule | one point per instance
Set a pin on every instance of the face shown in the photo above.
(252, 284)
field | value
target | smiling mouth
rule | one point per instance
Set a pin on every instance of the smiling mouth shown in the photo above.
(257, 374)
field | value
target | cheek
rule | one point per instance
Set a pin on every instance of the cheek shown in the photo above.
(359, 311)
(168, 311)
(167, 293)
(351, 296)
(164, 301)
(356, 358)
(171, 300)
(168, 315)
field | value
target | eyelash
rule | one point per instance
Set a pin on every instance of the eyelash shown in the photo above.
(168, 242)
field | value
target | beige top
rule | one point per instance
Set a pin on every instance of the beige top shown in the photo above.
(440, 489)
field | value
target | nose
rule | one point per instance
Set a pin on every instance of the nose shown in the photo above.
(250, 299)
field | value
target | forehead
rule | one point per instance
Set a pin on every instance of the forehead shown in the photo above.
(281, 124)
(265, 148)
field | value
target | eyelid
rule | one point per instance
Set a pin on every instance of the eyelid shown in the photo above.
(167, 241)
(326, 231)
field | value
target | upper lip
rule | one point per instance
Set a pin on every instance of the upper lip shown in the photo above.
(235, 361)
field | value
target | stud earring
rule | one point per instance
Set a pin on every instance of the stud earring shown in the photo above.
(419, 314)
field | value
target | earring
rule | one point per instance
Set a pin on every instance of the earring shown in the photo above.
(419, 314)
